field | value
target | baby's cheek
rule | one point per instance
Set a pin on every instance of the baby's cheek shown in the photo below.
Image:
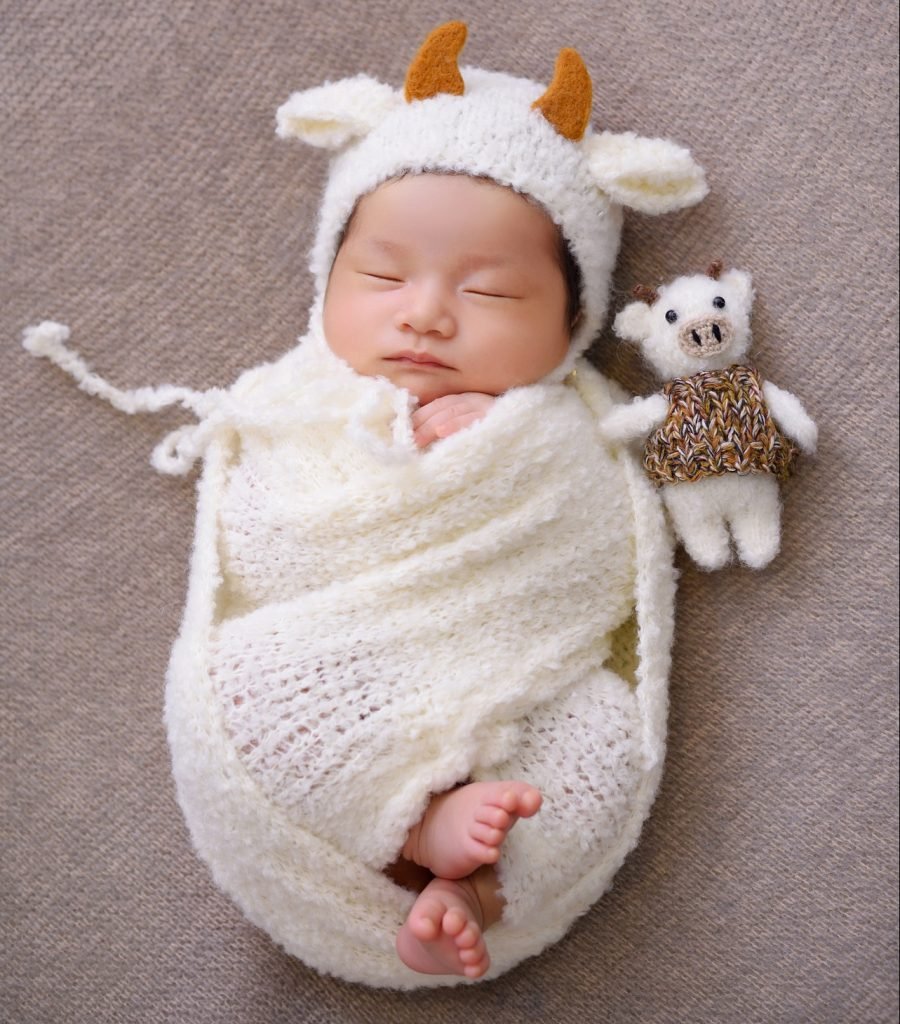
(529, 359)
(345, 330)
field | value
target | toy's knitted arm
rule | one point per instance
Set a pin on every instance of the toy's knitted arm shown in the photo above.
(636, 419)
(791, 417)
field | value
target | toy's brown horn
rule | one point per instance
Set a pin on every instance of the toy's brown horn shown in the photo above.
(567, 102)
(434, 68)
(645, 293)
(714, 270)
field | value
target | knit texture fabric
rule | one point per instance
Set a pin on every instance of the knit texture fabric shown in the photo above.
(717, 423)
(450, 614)
(397, 619)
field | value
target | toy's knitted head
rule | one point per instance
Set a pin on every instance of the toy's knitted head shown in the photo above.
(695, 323)
(524, 135)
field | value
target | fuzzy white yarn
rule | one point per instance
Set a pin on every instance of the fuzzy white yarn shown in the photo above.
(388, 624)
(363, 632)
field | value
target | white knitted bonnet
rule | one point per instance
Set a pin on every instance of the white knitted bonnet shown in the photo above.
(533, 138)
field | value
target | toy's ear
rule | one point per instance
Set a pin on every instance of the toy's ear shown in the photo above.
(741, 282)
(633, 322)
(336, 113)
(650, 175)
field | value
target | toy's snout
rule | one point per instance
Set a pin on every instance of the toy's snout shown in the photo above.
(705, 336)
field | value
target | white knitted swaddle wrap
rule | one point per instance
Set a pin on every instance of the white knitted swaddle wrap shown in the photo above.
(447, 616)
(397, 619)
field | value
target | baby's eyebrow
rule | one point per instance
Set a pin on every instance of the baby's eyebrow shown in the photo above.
(386, 246)
(481, 261)
(468, 263)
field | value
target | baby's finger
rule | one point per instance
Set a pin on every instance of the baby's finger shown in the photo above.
(425, 412)
(430, 427)
(433, 427)
(453, 424)
(444, 425)
(425, 433)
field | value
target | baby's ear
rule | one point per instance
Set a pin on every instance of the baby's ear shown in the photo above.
(336, 113)
(740, 282)
(650, 175)
(633, 322)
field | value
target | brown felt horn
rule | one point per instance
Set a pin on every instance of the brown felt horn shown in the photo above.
(434, 69)
(714, 270)
(567, 102)
(645, 293)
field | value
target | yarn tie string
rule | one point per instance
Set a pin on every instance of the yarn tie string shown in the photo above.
(179, 449)
(218, 410)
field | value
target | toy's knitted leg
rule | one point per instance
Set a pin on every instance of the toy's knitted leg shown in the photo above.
(699, 520)
(756, 518)
(582, 751)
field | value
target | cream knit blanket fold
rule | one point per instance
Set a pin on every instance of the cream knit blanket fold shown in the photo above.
(386, 625)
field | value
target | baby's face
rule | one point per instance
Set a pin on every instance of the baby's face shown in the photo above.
(446, 284)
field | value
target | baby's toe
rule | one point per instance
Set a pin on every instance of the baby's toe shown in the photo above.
(425, 921)
(454, 922)
(478, 967)
(528, 801)
(482, 853)
(509, 801)
(472, 955)
(487, 834)
(469, 938)
(493, 817)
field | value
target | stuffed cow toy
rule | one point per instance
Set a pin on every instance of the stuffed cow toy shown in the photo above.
(720, 436)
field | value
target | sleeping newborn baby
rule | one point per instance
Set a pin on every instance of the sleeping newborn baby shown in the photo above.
(455, 290)
(427, 599)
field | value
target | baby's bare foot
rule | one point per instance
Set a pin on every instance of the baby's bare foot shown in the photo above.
(443, 933)
(465, 828)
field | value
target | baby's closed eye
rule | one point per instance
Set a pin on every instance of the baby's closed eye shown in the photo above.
(493, 287)
(385, 276)
(487, 293)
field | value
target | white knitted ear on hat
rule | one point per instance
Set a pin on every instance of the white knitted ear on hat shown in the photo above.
(336, 113)
(650, 175)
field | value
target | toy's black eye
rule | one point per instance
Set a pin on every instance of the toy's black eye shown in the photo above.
(671, 316)
(719, 302)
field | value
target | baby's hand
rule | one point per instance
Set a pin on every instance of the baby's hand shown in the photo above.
(445, 416)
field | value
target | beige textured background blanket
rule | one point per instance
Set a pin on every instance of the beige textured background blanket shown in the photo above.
(147, 203)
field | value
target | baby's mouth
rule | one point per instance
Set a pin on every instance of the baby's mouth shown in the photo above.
(423, 359)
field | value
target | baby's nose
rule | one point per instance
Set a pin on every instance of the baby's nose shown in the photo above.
(426, 310)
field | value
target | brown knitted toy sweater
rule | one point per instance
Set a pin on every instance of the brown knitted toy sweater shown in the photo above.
(718, 422)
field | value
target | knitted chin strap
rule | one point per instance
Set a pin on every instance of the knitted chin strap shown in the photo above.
(216, 409)
(178, 450)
